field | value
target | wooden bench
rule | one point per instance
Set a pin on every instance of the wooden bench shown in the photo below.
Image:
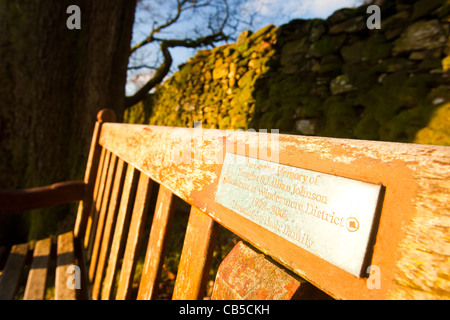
(408, 243)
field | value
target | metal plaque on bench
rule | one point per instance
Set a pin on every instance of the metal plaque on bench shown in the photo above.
(329, 216)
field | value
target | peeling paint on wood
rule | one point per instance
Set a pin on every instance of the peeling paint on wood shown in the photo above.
(410, 248)
(196, 257)
(159, 236)
(411, 243)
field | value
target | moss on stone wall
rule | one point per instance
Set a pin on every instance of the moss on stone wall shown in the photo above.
(330, 77)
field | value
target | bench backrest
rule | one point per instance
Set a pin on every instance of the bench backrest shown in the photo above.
(407, 241)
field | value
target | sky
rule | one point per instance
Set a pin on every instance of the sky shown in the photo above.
(276, 12)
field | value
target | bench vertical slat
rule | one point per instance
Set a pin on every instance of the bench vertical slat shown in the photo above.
(196, 256)
(11, 275)
(135, 232)
(65, 257)
(92, 166)
(157, 243)
(37, 277)
(109, 225)
(94, 199)
(84, 232)
(102, 216)
(90, 234)
(98, 176)
(118, 239)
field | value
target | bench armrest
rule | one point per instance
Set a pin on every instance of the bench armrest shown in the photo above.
(34, 198)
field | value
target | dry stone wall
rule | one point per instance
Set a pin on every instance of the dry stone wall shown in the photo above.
(332, 77)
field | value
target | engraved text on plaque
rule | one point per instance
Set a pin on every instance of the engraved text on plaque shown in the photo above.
(327, 215)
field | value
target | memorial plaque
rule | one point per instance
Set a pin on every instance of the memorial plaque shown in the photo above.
(327, 215)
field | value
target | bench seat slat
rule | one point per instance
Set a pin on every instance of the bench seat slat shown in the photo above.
(37, 277)
(11, 275)
(156, 248)
(141, 203)
(65, 257)
(196, 257)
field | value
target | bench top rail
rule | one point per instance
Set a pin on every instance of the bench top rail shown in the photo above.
(412, 225)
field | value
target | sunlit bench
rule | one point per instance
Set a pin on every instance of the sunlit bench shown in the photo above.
(318, 218)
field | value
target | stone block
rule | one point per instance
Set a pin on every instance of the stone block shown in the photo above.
(422, 35)
(341, 84)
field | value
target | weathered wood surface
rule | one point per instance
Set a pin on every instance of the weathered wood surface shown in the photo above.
(109, 228)
(89, 179)
(135, 234)
(157, 242)
(41, 197)
(65, 257)
(89, 218)
(95, 210)
(411, 246)
(246, 274)
(37, 277)
(119, 235)
(84, 208)
(101, 219)
(12, 273)
(196, 257)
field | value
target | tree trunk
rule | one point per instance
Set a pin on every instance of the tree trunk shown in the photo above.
(53, 81)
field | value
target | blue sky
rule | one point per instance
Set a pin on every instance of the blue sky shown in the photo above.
(276, 12)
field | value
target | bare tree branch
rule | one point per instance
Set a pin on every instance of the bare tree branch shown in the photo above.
(164, 68)
(181, 7)
(217, 16)
(144, 66)
(159, 75)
